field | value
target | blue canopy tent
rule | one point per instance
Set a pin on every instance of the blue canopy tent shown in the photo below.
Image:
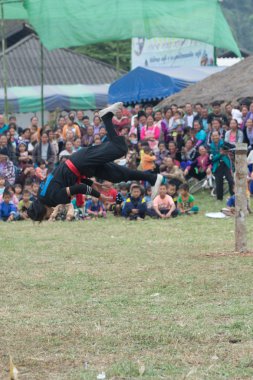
(142, 84)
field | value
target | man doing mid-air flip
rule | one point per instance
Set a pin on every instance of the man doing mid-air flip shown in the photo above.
(72, 176)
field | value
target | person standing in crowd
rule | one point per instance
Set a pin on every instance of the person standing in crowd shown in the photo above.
(151, 133)
(44, 150)
(234, 135)
(221, 165)
(189, 116)
(96, 124)
(248, 134)
(216, 114)
(88, 138)
(71, 126)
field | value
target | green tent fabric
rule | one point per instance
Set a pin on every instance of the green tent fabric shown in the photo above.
(13, 10)
(65, 23)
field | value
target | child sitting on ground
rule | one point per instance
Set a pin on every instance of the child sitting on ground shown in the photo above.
(34, 191)
(63, 212)
(172, 191)
(149, 202)
(109, 191)
(186, 201)
(8, 211)
(18, 191)
(95, 209)
(23, 205)
(41, 171)
(163, 204)
(135, 207)
(121, 198)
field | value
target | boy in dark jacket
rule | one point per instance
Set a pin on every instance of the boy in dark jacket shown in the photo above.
(8, 211)
(135, 207)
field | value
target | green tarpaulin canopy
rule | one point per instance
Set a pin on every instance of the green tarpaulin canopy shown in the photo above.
(14, 10)
(65, 23)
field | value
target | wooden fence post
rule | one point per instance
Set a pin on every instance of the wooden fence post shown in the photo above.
(241, 171)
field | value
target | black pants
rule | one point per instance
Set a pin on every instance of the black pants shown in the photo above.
(223, 171)
(199, 175)
(96, 161)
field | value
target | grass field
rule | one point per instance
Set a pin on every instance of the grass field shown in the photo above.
(151, 300)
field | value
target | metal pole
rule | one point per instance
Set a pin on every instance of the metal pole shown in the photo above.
(4, 63)
(241, 171)
(42, 83)
(117, 59)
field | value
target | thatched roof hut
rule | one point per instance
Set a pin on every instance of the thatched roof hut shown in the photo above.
(232, 84)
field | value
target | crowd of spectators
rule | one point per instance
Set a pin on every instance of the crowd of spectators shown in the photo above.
(180, 143)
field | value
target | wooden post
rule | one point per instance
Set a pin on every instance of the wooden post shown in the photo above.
(241, 171)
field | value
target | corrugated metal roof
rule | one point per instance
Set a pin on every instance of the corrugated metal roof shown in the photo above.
(61, 66)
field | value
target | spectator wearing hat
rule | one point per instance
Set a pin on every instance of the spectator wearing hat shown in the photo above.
(7, 169)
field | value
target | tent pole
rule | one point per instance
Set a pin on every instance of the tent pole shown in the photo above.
(117, 59)
(4, 63)
(42, 83)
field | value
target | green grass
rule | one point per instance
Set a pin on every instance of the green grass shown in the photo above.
(118, 295)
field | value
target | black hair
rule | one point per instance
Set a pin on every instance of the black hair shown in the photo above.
(6, 192)
(13, 125)
(26, 192)
(123, 186)
(216, 103)
(184, 187)
(37, 211)
(199, 104)
(86, 117)
(26, 129)
(42, 162)
(18, 185)
(172, 183)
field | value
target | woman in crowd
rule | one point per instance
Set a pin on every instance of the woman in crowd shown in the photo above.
(221, 165)
(234, 135)
(151, 133)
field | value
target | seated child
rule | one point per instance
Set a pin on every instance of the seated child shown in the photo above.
(2, 185)
(185, 201)
(109, 191)
(14, 198)
(135, 207)
(24, 205)
(121, 198)
(18, 191)
(163, 204)
(63, 212)
(78, 203)
(95, 208)
(149, 202)
(41, 171)
(8, 211)
(34, 191)
(172, 191)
